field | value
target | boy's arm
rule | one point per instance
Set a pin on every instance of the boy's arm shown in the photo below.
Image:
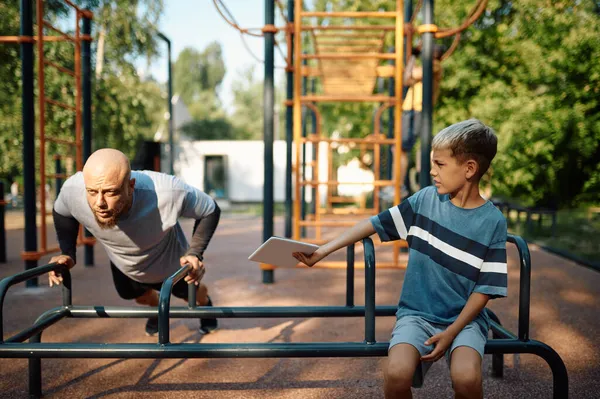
(412, 74)
(356, 233)
(475, 304)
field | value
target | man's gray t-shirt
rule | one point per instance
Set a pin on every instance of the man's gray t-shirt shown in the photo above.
(148, 241)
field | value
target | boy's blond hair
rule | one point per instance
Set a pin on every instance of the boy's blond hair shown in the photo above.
(469, 139)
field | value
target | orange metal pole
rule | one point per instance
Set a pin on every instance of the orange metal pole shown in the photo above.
(349, 27)
(399, 47)
(297, 124)
(331, 35)
(60, 68)
(342, 98)
(55, 29)
(349, 14)
(348, 56)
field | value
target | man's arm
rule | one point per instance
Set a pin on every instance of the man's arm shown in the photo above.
(67, 229)
(204, 229)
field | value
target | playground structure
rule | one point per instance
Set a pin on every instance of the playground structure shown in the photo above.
(14, 347)
(75, 150)
(343, 55)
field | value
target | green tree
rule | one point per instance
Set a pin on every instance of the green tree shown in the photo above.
(198, 76)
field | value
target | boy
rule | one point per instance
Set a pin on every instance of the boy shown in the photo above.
(457, 262)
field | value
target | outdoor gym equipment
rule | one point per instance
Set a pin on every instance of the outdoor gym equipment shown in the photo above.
(503, 340)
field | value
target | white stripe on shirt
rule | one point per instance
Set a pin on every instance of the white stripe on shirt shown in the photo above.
(446, 248)
(399, 222)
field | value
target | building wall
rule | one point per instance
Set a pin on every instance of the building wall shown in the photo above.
(245, 170)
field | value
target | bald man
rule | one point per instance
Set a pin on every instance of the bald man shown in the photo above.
(134, 214)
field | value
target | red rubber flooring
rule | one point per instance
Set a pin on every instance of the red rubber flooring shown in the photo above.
(565, 313)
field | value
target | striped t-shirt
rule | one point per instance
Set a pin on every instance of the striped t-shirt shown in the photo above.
(453, 252)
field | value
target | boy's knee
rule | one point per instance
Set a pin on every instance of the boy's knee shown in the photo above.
(399, 376)
(466, 379)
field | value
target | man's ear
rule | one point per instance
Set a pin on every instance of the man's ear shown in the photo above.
(471, 168)
(131, 183)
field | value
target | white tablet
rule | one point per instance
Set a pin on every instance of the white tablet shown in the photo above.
(278, 251)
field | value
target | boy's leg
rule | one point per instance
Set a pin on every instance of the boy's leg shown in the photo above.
(403, 360)
(465, 370)
(466, 354)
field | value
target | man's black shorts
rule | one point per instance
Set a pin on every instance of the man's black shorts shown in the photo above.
(131, 289)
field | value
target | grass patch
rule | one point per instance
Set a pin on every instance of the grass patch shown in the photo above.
(577, 231)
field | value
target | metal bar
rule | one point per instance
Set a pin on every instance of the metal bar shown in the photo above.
(42, 23)
(42, 118)
(297, 114)
(204, 350)
(60, 68)
(164, 302)
(369, 252)
(303, 167)
(38, 327)
(170, 105)
(28, 123)
(369, 141)
(349, 14)
(560, 377)
(501, 331)
(268, 112)
(348, 28)
(348, 35)
(347, 98)
(2, 225)
(249, 312)
(525, 285)
(58, 176)
(57, 103)
(348, 56)
(350, 275)
(335, 183)
(427, 112)
(289, 132)
(35, 371)
(60, 141)
(27, 275)
(86, 115)
(398, 81)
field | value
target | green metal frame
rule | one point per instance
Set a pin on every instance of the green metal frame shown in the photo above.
(503, 340)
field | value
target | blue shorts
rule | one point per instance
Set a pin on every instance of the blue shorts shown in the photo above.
(415, 330)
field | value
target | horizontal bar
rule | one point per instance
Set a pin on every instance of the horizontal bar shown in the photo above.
(41, 326)
(347, 42)
(203, 350)
(178, 312)
(348, 56)
(350, 14)
(232, 350)
(59, 141)
(346, 27)
(60, 32)
(330, 35)
(348, 98)
(371, 141)
(60, 104)
(56, 176)
(377, 183)
(30, 39)
(386, 71)
(60, 68)
(326, 224)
